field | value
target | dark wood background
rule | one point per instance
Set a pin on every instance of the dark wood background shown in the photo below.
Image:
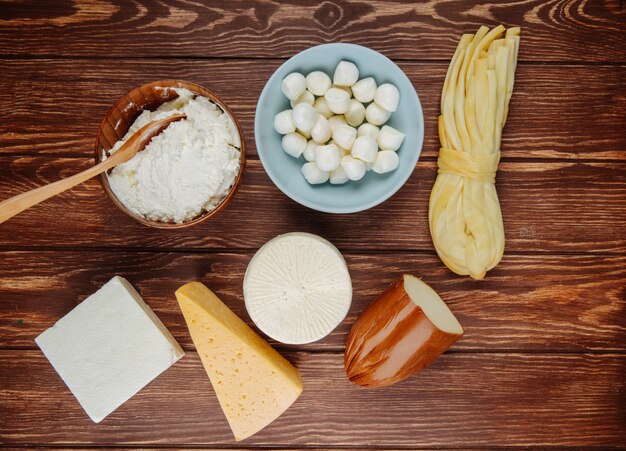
(543, 361)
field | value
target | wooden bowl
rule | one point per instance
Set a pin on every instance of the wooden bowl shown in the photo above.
(121, 116)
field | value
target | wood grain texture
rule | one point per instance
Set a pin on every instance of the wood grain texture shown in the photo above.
(543, 359)
(461, 400)
(547, 207)
(554, 30)
(528, 303)
(566, 112)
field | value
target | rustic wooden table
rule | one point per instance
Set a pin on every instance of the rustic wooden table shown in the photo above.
(543, 361)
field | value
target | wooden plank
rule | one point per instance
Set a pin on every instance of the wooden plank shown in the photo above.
(553, 31)
(547, 207)
(528, 303)
(461, 400)
(569, 112)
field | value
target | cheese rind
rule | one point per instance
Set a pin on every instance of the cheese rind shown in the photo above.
(253, 383)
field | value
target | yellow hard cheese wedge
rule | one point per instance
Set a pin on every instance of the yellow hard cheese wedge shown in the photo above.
(254, 383)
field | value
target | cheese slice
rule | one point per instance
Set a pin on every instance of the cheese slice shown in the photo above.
(254, 383)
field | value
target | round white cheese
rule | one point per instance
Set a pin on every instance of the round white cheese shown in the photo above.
(297, 288)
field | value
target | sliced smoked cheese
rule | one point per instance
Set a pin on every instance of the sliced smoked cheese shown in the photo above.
(254, 383)
(297, 288)
(401, 333)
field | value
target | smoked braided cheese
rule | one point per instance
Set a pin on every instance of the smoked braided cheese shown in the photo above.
(464, 213)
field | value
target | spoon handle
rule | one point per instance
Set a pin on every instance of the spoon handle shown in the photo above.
(21, 202)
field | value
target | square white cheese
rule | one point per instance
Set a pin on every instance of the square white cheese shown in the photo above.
(109, 347)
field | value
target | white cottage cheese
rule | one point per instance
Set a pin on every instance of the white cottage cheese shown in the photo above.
(186, 169)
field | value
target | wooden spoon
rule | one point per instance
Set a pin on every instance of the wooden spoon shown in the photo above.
(135, 143)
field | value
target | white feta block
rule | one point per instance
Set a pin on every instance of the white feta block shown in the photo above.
(109, 347)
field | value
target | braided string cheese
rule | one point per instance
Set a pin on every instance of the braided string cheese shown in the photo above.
(464, 212)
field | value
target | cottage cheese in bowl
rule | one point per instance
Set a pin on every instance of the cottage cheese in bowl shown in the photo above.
(184, 171)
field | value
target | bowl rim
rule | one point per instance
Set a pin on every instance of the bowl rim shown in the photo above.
(314, 205)
(198, 90)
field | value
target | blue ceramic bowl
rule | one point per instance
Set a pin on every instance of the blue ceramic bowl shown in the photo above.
(285, 171)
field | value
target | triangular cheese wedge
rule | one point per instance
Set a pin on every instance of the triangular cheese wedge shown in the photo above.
(254, 383)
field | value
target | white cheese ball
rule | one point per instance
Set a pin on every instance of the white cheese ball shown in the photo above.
(346, 74)
(346, 89)
(368, 129)
(318, 83)
(313, 174)
(386, 161)
(353, 167)
(364, 90)
(389, 138)
(321, 130)
(335, 121)
(338, 176)
(338, 100)
(343, 151)
(327, 158)
(304, 117)
(387, 96)
(321, 106)
(293, 85)
(294, 144)
(283, 123)
(376, 115)
(309, 151)
(355, 114)
(365, 148)
(344, 135)
(306, 97)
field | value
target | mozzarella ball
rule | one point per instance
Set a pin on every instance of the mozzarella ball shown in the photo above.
(355, 114)
(387, 96)
(342, 151)
(368, 129)
(322, 107)
(293, 85)
(309, 150)
(389, 138)
(294, 144)
(338, 100)
(346, 74)
(318, 83)
(283, 123)
(335, 121)
(313, 174)
(386, 161)
(321, 130)
(346, 89)
(306, 97)
(344, 135)
(368, 166)
(376, 115)
(307, 135)
(338, 176)
(304, 117)
(353, 167)
(327, 158)
(364, 90)
(365, 148)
